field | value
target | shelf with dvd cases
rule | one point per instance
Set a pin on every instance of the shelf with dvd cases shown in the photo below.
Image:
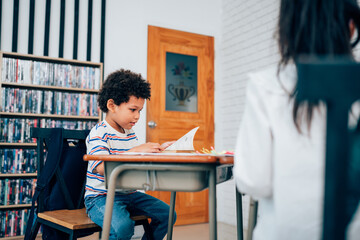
(37, 92)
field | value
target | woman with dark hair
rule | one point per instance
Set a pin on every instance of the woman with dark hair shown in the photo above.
(280, 151)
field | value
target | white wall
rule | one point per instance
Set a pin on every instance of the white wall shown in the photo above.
(247, 44)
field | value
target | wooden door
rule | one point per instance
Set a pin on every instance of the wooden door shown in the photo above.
(168, 101)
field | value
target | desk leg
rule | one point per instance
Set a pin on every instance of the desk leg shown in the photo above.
(239, 216)
(109, 204)
(212, 204)
(171, 215)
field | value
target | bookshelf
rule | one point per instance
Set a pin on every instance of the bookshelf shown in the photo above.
(37, 92)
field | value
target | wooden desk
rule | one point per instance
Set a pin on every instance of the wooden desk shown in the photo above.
(205, 165)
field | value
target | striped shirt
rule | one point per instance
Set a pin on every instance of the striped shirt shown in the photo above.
(103, 139)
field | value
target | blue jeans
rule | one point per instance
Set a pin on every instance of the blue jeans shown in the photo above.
(137, 203)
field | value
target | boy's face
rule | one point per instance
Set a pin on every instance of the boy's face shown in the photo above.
(126, 114)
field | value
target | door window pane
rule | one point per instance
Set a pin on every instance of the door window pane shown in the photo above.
(181, 82)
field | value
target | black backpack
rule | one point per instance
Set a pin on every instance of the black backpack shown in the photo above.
(61, 182)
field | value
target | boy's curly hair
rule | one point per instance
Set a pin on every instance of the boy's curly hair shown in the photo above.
(120, 85)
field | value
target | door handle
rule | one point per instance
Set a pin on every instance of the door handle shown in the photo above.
(152, 124)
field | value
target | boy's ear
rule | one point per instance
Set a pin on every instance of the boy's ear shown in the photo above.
(110, 105)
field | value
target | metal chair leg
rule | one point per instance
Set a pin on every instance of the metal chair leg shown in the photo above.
(252, 218)
(171, 215)
(34, 230)
(239, 216)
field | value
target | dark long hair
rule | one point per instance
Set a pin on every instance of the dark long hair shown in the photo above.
(315, 28)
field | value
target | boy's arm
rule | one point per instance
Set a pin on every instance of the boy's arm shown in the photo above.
(146, 147)
(97, 146)
(151, 147)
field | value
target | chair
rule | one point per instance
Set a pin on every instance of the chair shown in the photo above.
(252, 218)
(336, 83)
(253, 207)
(74, 220)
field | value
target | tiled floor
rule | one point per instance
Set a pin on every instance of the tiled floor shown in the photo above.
(201, 232)
(194, 232)
(191, 232)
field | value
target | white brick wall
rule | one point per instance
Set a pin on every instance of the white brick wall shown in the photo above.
(247, 44)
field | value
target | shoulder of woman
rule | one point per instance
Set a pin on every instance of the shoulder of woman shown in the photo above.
(273, 81)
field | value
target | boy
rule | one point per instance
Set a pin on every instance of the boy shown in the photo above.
(122, 97)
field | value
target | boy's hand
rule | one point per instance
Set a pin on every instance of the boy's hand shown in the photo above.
(99, 169)
(147, 147)
(166, 145)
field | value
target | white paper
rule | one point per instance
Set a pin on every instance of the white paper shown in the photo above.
(185, 142)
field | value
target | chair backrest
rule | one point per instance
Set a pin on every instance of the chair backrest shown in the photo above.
(62, 172)
(336, 82)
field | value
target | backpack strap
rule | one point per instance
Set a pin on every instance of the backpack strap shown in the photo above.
(55, 148)
(61, 180)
